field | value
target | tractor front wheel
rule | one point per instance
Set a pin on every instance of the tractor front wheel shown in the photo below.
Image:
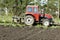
(46, 22)
(29, 20)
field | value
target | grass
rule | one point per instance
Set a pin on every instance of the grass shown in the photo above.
(57, 20)
(5, 18)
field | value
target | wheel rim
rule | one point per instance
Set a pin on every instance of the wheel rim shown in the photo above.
(29, 20)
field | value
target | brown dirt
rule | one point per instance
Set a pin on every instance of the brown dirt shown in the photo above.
(28, 33)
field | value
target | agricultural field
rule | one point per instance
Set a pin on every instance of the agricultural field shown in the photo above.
(28, 33)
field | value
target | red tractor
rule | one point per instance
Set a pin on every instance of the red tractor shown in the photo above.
(33, 15)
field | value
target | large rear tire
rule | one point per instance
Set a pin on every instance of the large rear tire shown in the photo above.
(29, 20)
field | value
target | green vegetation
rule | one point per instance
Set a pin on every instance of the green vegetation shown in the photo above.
(20, 5)
(5, 18)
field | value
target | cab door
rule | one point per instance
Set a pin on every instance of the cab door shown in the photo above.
(36, 13)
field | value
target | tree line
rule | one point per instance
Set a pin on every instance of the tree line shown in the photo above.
(20, 5)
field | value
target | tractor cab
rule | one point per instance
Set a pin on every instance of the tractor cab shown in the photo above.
(32, 9)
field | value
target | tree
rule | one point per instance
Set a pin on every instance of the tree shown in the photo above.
(20, 6)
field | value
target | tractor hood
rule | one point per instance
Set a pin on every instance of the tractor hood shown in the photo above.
(47, 16)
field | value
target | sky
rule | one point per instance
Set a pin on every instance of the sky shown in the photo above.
(43, 2)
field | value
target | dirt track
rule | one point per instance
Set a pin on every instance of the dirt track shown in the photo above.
(26, 33)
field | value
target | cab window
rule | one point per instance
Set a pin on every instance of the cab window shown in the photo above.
(35, 10)
(29, 9)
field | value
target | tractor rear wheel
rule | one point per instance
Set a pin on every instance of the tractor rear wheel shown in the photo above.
(29, 20)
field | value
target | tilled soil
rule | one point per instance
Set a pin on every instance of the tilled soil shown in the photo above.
(28, 33)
